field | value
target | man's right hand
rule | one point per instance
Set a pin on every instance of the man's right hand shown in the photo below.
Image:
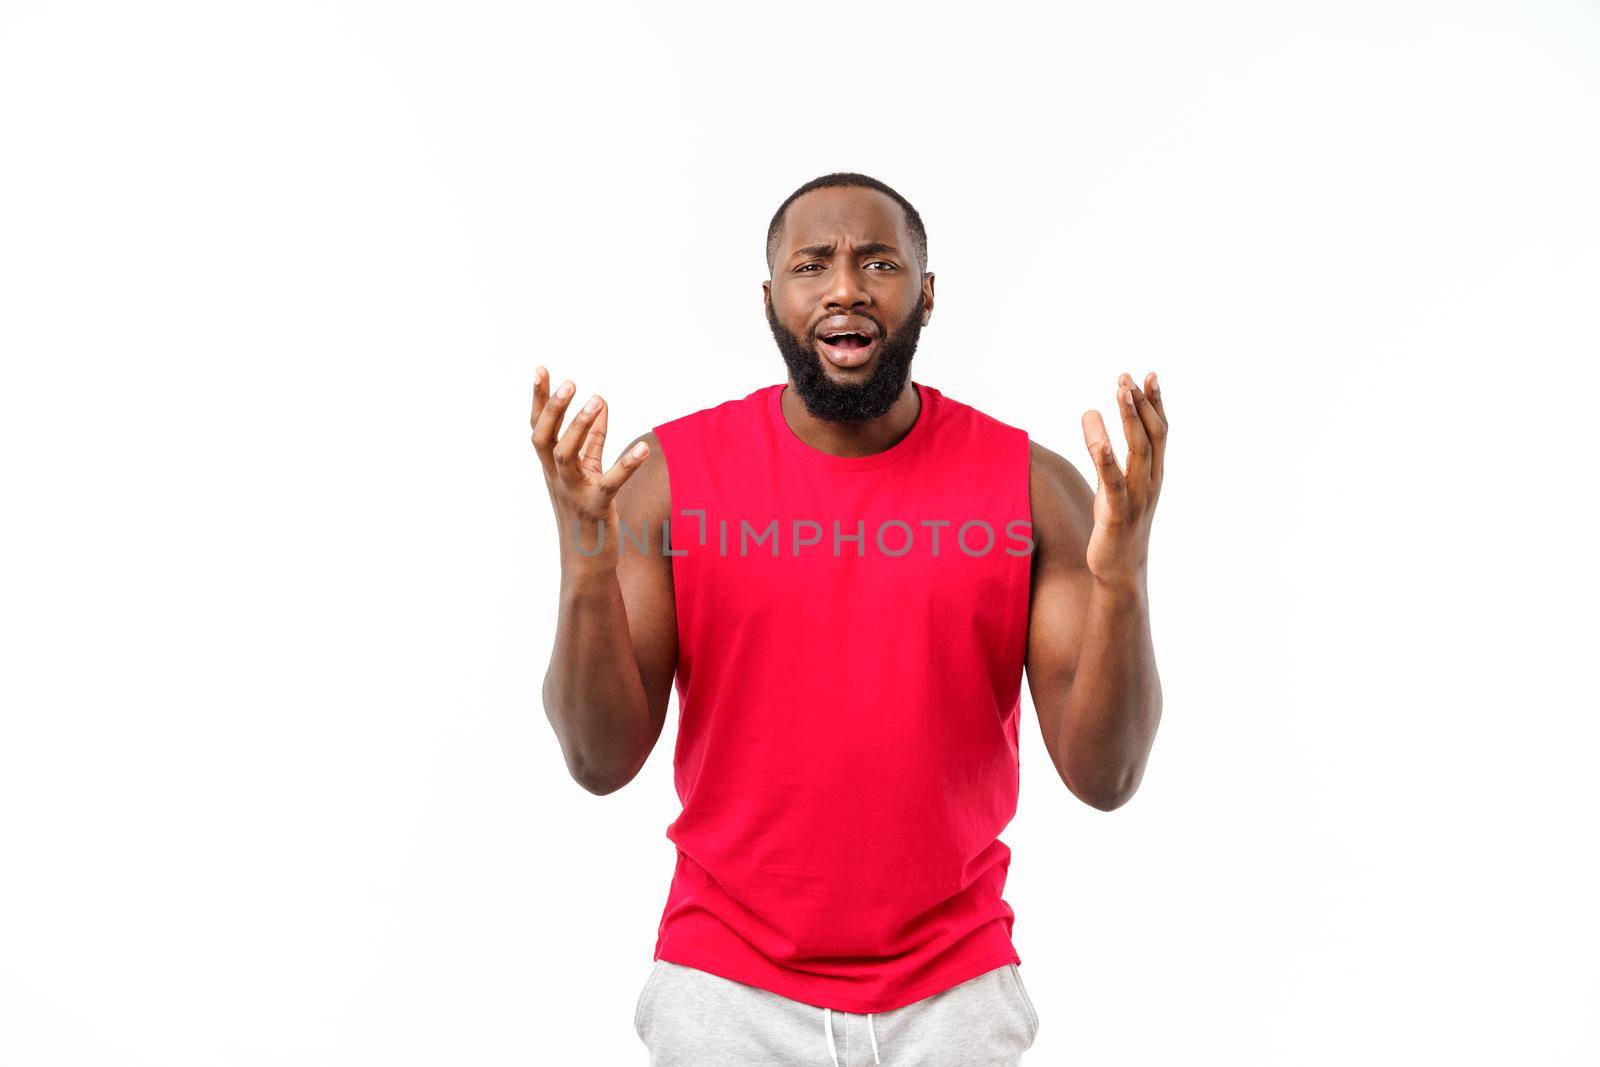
(582, 493)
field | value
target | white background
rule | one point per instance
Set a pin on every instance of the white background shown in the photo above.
(276, 786)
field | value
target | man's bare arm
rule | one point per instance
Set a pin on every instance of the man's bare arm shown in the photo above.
(615, 651)
(1091, 662)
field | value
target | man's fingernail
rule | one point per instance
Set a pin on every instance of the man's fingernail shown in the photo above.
(593, 403)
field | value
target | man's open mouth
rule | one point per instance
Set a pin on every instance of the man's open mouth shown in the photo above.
(847, 348)
(849, 340)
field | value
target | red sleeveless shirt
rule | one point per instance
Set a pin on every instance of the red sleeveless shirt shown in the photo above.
(851, 637)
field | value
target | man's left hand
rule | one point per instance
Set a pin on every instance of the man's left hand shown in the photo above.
(1125, 499)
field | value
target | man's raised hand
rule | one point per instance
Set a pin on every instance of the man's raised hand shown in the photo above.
(1125, 499)
(581, 491)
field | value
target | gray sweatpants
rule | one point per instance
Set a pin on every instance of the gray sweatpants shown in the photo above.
(687, 1017)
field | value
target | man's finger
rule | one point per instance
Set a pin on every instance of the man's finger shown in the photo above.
(1112, 482)
(541, 394)
(549, 419)
(594, 445)
(630, 460)
(1139, 449)
(1152, 389)
(572, 438)
(1155, 425)
(541, 404)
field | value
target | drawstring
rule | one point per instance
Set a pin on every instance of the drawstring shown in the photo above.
(827, 1028)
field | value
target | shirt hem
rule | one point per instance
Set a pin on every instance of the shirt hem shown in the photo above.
(802, 992)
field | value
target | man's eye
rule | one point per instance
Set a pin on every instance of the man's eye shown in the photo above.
(803, 266)
(881, 263)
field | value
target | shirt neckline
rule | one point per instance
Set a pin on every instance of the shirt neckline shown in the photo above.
(897, 451)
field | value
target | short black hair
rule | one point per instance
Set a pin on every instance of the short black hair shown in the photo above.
(847, 179)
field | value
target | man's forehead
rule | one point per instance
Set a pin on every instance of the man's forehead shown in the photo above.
(852, 213)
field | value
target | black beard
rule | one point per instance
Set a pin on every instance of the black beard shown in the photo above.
(826, 399)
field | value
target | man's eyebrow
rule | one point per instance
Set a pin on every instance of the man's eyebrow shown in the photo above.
(870, 248)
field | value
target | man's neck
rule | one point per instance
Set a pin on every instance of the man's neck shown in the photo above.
(852, 439)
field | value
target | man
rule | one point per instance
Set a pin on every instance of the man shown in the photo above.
(847, 574)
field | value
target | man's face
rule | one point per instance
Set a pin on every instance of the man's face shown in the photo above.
(846, 302)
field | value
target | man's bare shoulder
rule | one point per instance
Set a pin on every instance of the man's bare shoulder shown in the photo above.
(1062, 502)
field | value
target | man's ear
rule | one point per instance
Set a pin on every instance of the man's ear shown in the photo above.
(927, 297)
(766, 295)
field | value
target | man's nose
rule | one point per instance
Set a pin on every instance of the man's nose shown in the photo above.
(848, 288)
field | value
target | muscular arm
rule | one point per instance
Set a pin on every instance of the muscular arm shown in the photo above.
(1091, 664)
(616, 650)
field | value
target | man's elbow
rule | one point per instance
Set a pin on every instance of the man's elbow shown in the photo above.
(600, 779)
(1106, 792)
(600, 786)
(1108, 800)
(596, 769)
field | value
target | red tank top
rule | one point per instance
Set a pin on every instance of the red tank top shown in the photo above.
(851, 636)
